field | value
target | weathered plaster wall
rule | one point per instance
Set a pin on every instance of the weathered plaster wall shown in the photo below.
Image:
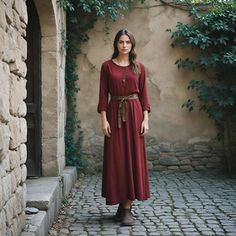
(13, 130)
(170, 125)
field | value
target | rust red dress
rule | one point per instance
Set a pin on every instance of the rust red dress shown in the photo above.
(125, 174)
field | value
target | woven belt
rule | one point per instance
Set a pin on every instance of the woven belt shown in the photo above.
(122, 106)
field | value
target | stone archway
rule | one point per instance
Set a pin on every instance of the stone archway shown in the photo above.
(53, 100)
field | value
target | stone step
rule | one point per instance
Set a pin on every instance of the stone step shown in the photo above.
(46, 194)
(43, 192)
(37, 224)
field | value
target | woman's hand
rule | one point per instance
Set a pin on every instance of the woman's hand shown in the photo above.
(144, 125)
(106, 129)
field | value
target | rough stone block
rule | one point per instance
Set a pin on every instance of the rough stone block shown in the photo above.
(182, 154)
(4, 89)
(2, 222)
(7, 163)
(18, 67)
(4, 166)
(179, 148)
(6, 53)
(196, 163)
(23, 153)
(23, 27)
(20, 195)
(23, 130)
(185, 162)
(9, 15)
(6, 187)
(173, 167)
(24, 196)
(165, 147)
(2, 169)
(13, 181)
(4, 141)
(168, 161)
(22, 109)
(21, 218)
(202, 147)
(186, 168)
(20, 7)
(16, 20)
(13, 227)
(197, 154)
(14, 126)
(14, 159)
(17, 95)
(159, 168)
(2, 15)
(23, 173)
(10, 210)
(18, 175)
(9, 3)
(18, 132)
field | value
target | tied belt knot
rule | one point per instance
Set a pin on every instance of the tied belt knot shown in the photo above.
(122, 106)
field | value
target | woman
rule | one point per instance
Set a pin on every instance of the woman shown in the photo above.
(124, 122)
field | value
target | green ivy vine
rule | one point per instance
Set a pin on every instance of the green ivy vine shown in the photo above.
(212, 36)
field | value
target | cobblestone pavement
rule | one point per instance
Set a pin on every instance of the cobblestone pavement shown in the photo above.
(181, 204)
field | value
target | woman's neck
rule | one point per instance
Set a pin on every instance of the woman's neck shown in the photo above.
(122, 59)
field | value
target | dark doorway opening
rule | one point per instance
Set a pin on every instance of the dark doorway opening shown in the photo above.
(33, 86)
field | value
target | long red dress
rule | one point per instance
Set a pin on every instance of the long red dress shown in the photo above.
(125, 174)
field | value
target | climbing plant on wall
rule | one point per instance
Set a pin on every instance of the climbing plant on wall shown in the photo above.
(212, 35)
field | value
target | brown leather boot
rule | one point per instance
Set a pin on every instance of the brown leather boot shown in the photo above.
(119, 214)
(128, 219)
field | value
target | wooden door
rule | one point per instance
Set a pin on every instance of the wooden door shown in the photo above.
(33, 86)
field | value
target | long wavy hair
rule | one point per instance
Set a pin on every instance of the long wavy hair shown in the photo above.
(132, 54)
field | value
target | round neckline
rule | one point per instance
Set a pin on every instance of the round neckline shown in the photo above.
(118, 65)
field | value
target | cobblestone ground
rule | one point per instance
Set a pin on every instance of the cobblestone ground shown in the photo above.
(181, 204)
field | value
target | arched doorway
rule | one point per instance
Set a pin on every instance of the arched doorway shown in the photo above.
(33, 86)
(50, 85)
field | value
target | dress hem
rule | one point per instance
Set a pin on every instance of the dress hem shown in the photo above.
(118, 202)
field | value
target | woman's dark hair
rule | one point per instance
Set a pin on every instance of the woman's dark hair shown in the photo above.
(132, 54)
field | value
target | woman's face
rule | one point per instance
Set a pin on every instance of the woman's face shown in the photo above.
(124, 45)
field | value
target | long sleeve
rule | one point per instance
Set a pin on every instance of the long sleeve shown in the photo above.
(143, 95)
(103, 90)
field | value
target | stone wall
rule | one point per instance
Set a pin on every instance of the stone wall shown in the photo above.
(13, 129)
(177, 139)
